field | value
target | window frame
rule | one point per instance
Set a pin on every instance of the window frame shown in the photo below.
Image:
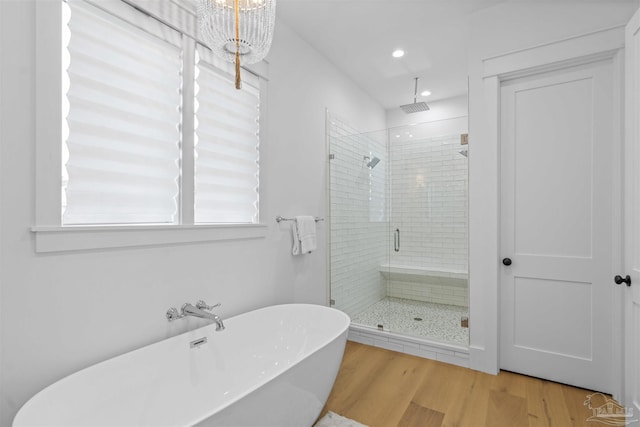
(50, 234)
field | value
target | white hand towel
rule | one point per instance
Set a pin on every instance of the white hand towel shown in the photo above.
(306, 227)
(296, 238)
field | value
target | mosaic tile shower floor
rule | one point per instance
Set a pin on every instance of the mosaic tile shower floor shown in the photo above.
(439, 322)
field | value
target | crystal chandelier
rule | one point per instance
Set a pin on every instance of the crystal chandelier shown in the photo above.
(238, 29)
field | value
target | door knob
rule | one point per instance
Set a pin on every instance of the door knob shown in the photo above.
(619, 280)
(506, 261)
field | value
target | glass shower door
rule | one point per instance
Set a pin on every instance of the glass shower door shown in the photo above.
(427, 272)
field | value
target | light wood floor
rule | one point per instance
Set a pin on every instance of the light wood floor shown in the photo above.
(382, 388)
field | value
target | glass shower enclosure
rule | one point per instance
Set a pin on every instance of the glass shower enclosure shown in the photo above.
(399, 229)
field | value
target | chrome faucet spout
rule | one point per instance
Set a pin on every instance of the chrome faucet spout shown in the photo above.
(191, 310)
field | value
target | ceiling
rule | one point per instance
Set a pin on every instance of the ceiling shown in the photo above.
(358, 37)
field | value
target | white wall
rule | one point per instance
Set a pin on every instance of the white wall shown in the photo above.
(302, 86)
(503, 28)
(64, 311)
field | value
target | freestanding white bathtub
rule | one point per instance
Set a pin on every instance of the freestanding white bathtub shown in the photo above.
(270, 367)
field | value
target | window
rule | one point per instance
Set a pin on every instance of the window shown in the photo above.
(155, 138)
(121, 121)
(226, 144)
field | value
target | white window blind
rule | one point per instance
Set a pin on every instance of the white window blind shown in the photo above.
(121, 99)
(226, 143)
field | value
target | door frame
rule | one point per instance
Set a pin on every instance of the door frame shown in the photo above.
(594, 46)
(632, 201)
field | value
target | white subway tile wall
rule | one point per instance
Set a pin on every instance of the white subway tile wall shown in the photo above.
(429, 182)
(358, 224)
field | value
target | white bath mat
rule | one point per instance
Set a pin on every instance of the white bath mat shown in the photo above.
(331, 419)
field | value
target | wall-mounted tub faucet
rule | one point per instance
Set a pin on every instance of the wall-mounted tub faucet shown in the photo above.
(197, 310)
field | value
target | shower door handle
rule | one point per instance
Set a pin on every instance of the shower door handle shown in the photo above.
(396, 240)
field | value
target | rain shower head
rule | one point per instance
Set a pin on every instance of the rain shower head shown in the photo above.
(372, 161)
(463, 152)
(416, 107)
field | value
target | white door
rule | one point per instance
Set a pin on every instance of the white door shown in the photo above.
(632, 218)
(557, 180)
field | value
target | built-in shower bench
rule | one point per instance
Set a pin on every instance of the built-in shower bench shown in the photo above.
(434, 275)
(428, 284)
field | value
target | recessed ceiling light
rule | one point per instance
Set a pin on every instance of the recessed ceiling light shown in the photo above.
(425, 93)
(398, 53)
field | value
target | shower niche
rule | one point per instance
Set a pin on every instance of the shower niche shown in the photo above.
(399, 229)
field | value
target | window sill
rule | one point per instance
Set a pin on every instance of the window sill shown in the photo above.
(61, 239)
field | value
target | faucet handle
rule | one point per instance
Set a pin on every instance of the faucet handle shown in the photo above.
(203, 305)
(173, 314)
